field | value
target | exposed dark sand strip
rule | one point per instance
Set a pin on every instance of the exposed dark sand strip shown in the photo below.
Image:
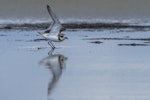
(84, 25)
(138, 39)
(96, 42)
(133, 44)
(2, 35)
(145, 43)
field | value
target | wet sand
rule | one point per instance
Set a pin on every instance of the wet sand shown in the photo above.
(105, 64)
(76, 25)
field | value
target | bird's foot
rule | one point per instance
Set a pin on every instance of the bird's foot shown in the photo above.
(53, 47)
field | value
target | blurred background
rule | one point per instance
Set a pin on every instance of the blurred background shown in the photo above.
(76, 9)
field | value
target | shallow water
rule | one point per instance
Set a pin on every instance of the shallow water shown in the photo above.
(78, 69)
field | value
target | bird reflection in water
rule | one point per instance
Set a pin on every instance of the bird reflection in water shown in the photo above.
(55, 63)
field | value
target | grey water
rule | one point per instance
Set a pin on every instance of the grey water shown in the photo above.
(79, 69)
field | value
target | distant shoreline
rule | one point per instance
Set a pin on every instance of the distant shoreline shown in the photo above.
(80, 25)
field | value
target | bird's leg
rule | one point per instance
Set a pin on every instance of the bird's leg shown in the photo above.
(51, 44)
(50, 52)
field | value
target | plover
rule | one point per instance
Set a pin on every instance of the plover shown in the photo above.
(54, 32)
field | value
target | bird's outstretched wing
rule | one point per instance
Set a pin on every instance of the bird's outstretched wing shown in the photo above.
(55, 27)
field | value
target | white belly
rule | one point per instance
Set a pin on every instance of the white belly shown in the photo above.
(52, 37)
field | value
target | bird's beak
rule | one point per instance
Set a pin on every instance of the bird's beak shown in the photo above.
(66, 58)
(66, 37)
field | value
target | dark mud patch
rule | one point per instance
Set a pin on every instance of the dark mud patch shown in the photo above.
(133, 44)
(135, 39)
(19, 40)
(147, 42)
(8, 27)
(1, 35)
(96, 42)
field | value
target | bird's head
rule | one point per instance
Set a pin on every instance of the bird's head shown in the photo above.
(62, 37)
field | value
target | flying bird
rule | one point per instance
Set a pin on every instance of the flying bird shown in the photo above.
(54, 32)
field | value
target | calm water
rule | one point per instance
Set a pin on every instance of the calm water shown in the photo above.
(78, 70)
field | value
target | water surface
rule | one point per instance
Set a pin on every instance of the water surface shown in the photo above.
(78, 69)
